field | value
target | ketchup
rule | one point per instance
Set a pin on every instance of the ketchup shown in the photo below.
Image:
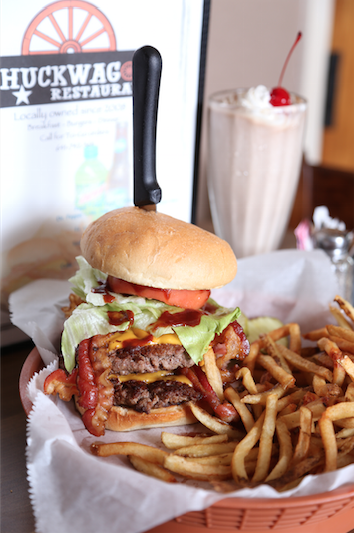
(188, 317)
(135, 343)
(103, 289)
(116, 318)
(209, 309)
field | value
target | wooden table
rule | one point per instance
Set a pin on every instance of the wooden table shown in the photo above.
(16, 510)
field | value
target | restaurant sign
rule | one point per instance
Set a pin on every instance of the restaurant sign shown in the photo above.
(44, 79)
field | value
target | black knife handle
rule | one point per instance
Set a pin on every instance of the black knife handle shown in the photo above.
(147, 66)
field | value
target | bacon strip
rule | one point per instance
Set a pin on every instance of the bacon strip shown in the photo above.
(232, 343)
(96, 391)
(61, 383)
(88, 392)
(225, 411)
(89, 382)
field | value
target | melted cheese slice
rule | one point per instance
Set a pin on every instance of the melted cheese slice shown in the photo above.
(150, 377)
(116, 343)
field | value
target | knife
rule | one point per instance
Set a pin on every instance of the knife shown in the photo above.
(147, 66)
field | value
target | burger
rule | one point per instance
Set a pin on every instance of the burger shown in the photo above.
(140, 321)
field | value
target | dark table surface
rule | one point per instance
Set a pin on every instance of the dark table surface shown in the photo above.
(16, 509)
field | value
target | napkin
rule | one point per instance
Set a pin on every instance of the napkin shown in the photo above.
(72, 490)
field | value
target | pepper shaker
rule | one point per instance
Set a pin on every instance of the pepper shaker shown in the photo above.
(337, 244)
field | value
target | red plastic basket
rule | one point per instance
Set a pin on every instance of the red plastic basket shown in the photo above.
(330, 512)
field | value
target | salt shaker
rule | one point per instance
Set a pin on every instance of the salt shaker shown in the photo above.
(337, 244)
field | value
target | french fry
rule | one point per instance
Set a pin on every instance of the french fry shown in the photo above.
(348, 366)
(222, 459)
(346, 423)
(341, 332)
(266, 439)
(339, 411)
(251, 358)
(213, 423)
(283, 377)
(253, 454)
(247, 379)
(334, 412)
(329, 441)
(296, 472)
(295, 338)
(261, 397)
(294, 397)
(330, 348)
(203, 450)
(243, 448)
(150, 453)
(344, 433)
(291, 408)
(346, 306)
(303, 364)
(285, 451)
(303, 444)
(323, 360)
(173, 441)
(316, 334)
(346, 446)
(339, 374)
(303, 415)
(319, 385)
(329, 390)
(343, 344)
(344, 459)
(213, 374)
(272, 349)
(279, 333)
(292, 420)
(338, 315)
(349, 393)
(151, 469)
(275, 335)
(245, 415)
(195, 470)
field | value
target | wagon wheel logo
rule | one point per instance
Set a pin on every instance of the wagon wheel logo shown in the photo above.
(69, 26)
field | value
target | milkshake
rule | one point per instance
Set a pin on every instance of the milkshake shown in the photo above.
(254, 159)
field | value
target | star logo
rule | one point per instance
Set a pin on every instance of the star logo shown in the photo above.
(22, 95)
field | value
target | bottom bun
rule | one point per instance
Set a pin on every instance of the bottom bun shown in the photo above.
(126, 419)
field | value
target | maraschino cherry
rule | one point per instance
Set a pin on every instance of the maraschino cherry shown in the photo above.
(280, 96)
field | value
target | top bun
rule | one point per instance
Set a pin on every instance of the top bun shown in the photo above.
(156, 250)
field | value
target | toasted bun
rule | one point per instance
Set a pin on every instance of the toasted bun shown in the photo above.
(155, 250)
(126, 419)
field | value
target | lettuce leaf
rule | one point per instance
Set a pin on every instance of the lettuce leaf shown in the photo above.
(91, 318)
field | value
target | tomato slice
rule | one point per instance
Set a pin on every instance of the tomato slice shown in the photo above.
(184, 298)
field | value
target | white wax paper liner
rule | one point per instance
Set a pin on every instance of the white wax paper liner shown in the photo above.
(72, 490)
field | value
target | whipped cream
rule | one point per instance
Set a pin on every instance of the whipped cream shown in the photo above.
(257, 98)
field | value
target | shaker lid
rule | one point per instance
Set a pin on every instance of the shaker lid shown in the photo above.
(334, 241)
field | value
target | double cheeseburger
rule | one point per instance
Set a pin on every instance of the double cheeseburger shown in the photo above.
(140, 321)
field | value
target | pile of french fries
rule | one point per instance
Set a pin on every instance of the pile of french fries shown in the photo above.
(296, 415)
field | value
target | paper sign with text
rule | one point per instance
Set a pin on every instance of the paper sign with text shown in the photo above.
(66, 122)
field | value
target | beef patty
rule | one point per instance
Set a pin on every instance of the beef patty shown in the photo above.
(149, 358)
(139, 395)
(146, 396)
